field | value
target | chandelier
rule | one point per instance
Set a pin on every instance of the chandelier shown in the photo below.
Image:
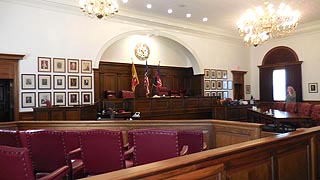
(99, 8)
(262, 24)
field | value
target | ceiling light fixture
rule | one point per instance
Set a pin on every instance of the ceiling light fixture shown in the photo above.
(170, 11)
(125, 1)
(205, 19)
(99, 8)
(262, 24)
(188, 15)
(149, 6)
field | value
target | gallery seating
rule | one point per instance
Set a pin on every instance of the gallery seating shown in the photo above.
(315, 115)
(279, 105)
(291, 107)
(16, 164)
(102, 151)
(10, 138)
(304, 109)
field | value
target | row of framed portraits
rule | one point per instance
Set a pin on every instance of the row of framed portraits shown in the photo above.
(59, 81)
(29, 99)
(221, 94)
(60, 65)
(217, 84)
(215, 74)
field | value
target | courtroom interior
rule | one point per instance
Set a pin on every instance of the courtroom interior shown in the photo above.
(145, 89)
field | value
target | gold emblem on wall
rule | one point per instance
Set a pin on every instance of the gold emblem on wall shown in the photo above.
(142, 51)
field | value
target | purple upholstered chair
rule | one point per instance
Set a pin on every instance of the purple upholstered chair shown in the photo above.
(193, 139)
(315, 114)
(304, 109)
(16, 165)
(291, 107)
(10, 138)
(279, 105)
(102, 151)
(152, 145)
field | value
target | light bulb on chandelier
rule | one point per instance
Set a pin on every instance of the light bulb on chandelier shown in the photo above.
(99, 8)
(262, 24)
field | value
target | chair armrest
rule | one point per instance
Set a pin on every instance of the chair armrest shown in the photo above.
(205, 146)
(128, 153)
(72, 154)
(57, 174)
(126, 146)
(184, 150)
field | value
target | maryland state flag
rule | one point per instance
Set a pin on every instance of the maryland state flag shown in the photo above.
(135, 80)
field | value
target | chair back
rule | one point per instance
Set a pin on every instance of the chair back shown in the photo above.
(10, 138)
(72, 141)
(15, 163)
(315, 114)
(102, 151)
(152, 145)
(304, 109)
(279, 105)
(291, 107)
(47, 149)
(192, 138)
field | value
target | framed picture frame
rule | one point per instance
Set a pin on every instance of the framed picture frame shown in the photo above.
(224, 84)
(86, 97)
(313, 87)
(43, 98)
(73, 82)
(59, 98)
(207, 85)
(86, 82)
(28, 99)
(28, 81)
(225, 94)
(59, 82)
(59, 65)
(213, 74)
(207, 93)
(86, 66)
(44, 81)
(213, 94)
(213, 84)
(224, 74)
(73, 66)
(44, 64)
(219, 94)
(248, 89)
(73, 98)
(206, 73)
(219, 84)
(219, 74)
(230, 85)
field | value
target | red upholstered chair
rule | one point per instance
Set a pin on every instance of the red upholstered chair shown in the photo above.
(279, 105)
(193, 139)
(163, 91)
(315, 114)
(127, 94)
(102, 151)
(16, 164)
(151, 145)
(48, 152)
(10, 138)
(291, 107)
(304, 109)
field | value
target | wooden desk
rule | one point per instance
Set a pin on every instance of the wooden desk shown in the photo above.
(278, 118)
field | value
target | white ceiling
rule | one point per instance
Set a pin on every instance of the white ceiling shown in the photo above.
(221, 14)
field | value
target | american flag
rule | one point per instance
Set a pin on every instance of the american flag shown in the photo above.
(146, 80)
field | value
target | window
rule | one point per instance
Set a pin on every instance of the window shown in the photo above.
(279, 84)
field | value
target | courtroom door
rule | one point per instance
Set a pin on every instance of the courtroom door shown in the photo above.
(6, 100)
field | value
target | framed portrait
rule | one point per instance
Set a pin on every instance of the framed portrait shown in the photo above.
(219, 84)
(213, 84)
(43, 98)
(313, 87)
(59, 98)
(28, 81)
(248, 89)
(219, 74)
(224, 84)
(207, 73)
(213, 74)
(59, 82)
(44, 81)
(225, 94)
(86, 82)
(229, 85)
(73, 82)
(73, 98)
(86, 66)
(86, 97)
(207, 93)
(225, 74)
(28, 99)
(213, 94)
(207, 84)
(59, 65)
(219, 94)
(44, 64)
(73, 66)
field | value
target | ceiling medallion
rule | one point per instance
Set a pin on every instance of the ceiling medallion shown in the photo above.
(142, 51)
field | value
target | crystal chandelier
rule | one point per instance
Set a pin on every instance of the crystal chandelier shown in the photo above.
(99, 8)
(262, 24)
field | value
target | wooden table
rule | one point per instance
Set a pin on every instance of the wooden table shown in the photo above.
(278, 118)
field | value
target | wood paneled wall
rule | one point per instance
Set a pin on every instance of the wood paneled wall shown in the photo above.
(117, 77)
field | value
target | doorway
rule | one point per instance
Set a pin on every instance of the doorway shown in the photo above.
(6, 100)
